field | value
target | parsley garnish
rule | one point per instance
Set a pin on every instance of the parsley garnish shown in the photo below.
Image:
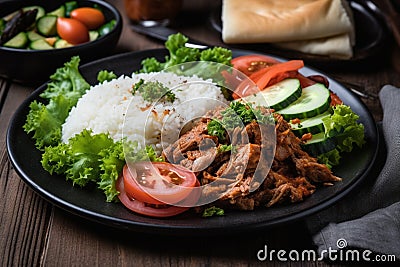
(213, 211)
(236, 115)
(152, 91)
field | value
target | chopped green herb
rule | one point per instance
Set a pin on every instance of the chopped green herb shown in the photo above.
(215, 128)
(213, 211)
(224, 148)
(152, 91)
(236, 115)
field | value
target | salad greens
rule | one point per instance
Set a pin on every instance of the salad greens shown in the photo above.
(179, 53)
(342, 125)
(65, 88)
(105, 75)
(207, 63)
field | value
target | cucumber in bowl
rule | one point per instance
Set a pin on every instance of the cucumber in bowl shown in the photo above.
(45, 24)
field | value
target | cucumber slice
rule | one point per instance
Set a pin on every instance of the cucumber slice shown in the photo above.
(18, 41)
(93, 35)
(311, 125)
(59, 12)
(277, 96)
(61, 43)
(40, 44)
(319, 144)
(47, 25)
(314, 100)
(41, 12)
(33, 36)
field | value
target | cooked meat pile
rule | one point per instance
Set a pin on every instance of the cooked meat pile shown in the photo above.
(290, 173)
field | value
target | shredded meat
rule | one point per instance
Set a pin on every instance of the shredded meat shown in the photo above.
(261, 169)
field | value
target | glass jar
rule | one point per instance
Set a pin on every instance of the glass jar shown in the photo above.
(152, 12)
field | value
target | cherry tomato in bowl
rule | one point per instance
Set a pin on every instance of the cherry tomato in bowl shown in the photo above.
(73, 31)
(93, 18)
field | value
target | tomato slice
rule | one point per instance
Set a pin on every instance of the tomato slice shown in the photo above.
(249, 64)
(158, 182)
(145, 209)
(276, 73)
(271, 73)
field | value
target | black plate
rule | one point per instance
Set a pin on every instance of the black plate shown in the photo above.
(90, 202)
(370, 39)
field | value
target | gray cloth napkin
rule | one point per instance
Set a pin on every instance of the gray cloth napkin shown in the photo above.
(369, 218)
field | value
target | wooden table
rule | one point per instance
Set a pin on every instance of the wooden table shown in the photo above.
(34, 232)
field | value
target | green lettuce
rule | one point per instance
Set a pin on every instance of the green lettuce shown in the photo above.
(105, 75)
(343, 126)
(63, 91)
(87, 158)
(93, 158)
(179, 53)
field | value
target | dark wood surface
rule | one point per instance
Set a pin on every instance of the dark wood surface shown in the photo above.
(34, 232)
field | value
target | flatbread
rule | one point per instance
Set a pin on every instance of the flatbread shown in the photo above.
(312, 26)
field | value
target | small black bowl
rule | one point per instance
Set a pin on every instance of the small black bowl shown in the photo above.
(36, 66)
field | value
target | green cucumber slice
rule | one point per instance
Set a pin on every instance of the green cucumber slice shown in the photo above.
(311, 125)
(47, 25)
(319, 144)
(93, 35)
(277, 96)
(18, 41)
(61, 43)
(33, 36)
(314, 100)
(59, 12)
(40, 44)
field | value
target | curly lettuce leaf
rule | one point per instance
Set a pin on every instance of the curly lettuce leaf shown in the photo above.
(87, 158)
(179, 53)
(330, 158)
(67, 81)
(343, 126)
(105, 75)
(44, 121)
(90, 158)
(218, 55)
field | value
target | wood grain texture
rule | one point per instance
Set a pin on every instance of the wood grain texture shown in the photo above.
(24, 215)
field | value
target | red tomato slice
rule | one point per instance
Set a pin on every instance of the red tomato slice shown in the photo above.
(73, 31)
(158, 182)
(269, 76)
(276, 73)
(249, 64)
(144, 209)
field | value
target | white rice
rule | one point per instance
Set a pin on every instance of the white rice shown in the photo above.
(111, 108)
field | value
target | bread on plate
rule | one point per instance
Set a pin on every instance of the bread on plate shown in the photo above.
(322, 27)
